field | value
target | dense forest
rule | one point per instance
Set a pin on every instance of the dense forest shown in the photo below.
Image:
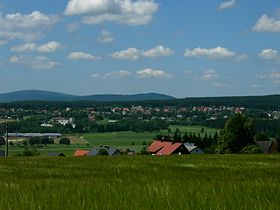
(270, 102)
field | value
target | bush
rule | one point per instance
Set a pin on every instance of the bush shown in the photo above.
(251, 149)
(144, 151)
(64, 141)
(102, 152)
(29, 152)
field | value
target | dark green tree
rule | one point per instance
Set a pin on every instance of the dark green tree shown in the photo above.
(238, 132)
(177, 136)
(64, 141)
(262, 137)
(102, 152)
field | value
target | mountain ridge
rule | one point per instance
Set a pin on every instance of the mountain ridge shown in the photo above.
(42, 95)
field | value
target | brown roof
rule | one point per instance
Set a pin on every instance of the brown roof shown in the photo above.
(169, 148)
(164, 147)
(79, 153)
(156, 146)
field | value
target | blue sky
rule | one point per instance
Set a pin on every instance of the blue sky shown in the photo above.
(181, 48)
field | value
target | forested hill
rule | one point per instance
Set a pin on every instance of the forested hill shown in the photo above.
(271, 102)
(39, 95)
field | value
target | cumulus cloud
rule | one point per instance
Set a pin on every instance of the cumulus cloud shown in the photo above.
(44, 48)
(270, 54)
(134, 54)
(209, 74)
(130, 12)
(26, 27)
(267, 24)
(38, 62)
(273, 76)
(158, 51)
(227, 5)
(212, 53)
(129, 54)
(114, 74)
(106, 37)
(82, 56)
(148, 73)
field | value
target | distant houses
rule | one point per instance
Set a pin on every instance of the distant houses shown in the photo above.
(101, 150)
(168, 148)
(80, 153)
(30, 135)
(104, 150)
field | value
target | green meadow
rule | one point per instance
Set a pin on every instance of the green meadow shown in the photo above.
(141, 182)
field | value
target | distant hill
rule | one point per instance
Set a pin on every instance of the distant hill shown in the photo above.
(40, 95)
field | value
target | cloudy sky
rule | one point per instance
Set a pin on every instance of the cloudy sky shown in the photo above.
(181, 48)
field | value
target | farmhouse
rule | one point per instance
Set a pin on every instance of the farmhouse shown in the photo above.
(267, 146)
(56, 154)
(193, 149)
(111, 151)
(167, 148)
(80, 153)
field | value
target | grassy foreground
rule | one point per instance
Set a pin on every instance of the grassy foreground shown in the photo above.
(141, 182)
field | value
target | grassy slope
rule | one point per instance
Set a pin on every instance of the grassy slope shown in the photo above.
(142, 182)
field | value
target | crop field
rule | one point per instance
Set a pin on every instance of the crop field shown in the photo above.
(141, 182)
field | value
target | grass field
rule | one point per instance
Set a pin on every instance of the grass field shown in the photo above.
(141, 182)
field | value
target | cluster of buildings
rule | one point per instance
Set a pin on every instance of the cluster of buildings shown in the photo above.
(169, 148)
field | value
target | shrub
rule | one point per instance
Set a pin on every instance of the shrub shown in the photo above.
(102, 152)
(64, 141)
(251, 149)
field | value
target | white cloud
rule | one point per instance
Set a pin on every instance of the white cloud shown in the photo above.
(129, 54)
(134, 54)
(105, 37)
(114, 75)
(130, 12)
(212, 53)
(266, 24)
(82, 56)
(47, 48)
(158, 51)
(73, 26)
(26, 27)
(209, 74)
(273, 76)
(38, 62)
(270, 54)
(218, 84)
(227, 5)
(148, 73)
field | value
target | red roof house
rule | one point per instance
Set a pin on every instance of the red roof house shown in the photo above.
(80, 153)
(167, 148)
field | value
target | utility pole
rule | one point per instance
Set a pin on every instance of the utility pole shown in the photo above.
(6, 143)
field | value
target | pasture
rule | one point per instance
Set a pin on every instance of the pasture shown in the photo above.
(141, 182)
